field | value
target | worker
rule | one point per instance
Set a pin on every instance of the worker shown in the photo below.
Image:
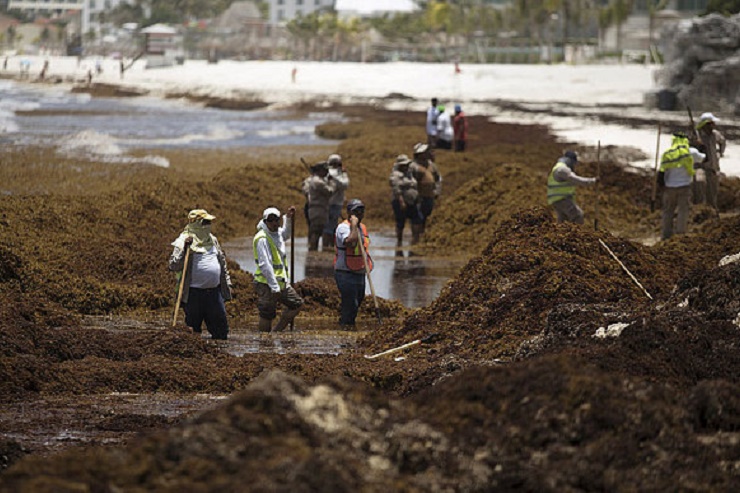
(349, 262)
(318, 189)
(405, 199)
(714, 147)
(445, 132)
(340, 178)
(676, 174)
(460, 129)
(429, 182)
(207, 284)
(431, 128)
(271, 277)
(561, 188)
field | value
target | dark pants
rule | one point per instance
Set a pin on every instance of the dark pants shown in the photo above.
(207, 305)
(352, 288)
(426, 207)
(412, 213)
(459, 145)
(444, 144)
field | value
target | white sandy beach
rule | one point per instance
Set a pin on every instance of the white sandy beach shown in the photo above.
(583, 90)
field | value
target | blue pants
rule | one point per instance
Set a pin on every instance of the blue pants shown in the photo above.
(207, 305)
(352, 288)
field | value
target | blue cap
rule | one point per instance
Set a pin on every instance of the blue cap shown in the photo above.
(458, 108)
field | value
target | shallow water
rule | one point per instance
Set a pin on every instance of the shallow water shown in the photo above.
(113, 126)
(414, 280)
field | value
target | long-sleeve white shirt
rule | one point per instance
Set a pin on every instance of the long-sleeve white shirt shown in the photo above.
(264, 252)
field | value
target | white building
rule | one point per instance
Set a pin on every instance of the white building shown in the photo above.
(282, 11)
(90, 10)
(347, 9)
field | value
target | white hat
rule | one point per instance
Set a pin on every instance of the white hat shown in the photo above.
(706, 118)
(271, 211)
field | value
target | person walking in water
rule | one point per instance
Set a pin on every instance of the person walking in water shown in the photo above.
(405, 199)
(271, 278)
(429, 181)
(340, 179)
(318, 189)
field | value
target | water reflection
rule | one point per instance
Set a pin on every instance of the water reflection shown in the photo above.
(411, 279)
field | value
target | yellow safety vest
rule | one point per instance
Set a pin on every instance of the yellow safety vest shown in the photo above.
(678, 156)
(281, 270)
(558, 190)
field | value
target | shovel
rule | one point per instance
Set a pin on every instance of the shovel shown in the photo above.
(369, 279)
(182, 283)
(429, 338)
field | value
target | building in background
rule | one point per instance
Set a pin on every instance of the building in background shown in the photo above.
(347, 9)
(90, 10)
(282, 11)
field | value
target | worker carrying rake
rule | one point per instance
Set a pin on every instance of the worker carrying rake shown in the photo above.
(561, 188)
(203, 278)
(351, 262)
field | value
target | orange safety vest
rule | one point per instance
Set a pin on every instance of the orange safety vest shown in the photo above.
(353, 257)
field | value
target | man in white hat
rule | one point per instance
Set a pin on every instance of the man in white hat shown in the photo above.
(429, 183)
(714, 147)
(207, 282)
(271, 278)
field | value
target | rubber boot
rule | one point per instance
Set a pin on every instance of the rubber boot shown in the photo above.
(265, 324)
(285, 319)
(327, 244)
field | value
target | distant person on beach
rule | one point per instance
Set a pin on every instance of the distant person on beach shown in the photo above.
(405, 199)
(431, 128)
(676, 175)
(98, 67)
(44, 68)
(714, 147)
(207, 283)
(349, 263)
(5, 64)
(318, 189)
(460, 128)
(561, 188)
(293, 73)
(428, 180)
(445, 132)
(271, 278)
(340, 179)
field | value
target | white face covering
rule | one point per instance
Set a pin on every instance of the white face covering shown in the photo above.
(201, 233)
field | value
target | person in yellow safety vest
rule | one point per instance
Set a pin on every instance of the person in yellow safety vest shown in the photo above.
(349, 264)
(271, 278)
(676, 174)
(561, 188)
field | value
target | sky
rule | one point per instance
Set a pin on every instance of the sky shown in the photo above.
(616, 89)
